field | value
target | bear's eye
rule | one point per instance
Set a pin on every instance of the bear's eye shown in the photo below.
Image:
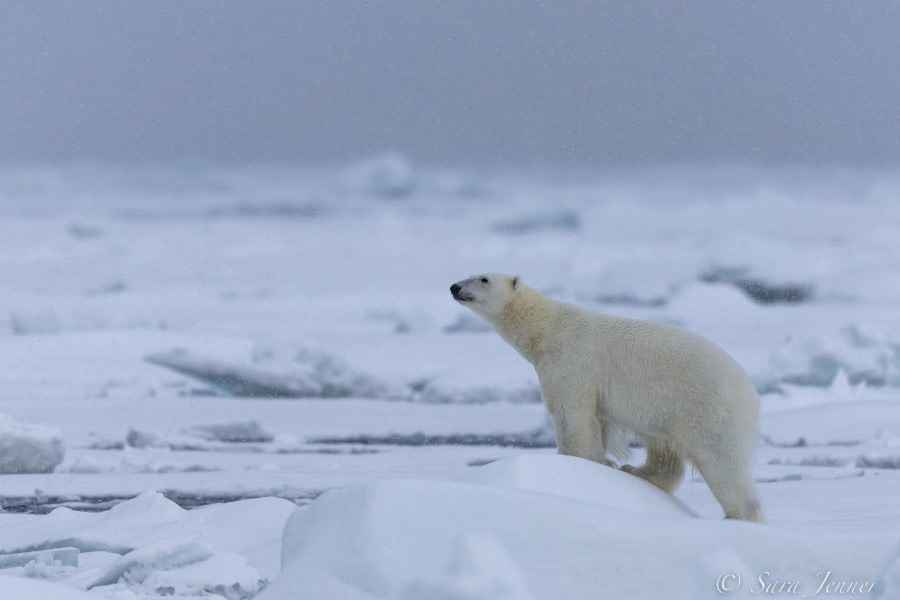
(484, 280)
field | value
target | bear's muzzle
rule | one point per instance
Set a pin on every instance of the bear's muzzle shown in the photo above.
(457, 291)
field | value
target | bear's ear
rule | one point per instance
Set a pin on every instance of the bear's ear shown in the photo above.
(514, 282)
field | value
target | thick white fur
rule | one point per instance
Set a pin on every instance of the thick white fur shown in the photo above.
(680, 394)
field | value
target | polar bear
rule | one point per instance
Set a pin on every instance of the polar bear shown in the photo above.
(602, 377)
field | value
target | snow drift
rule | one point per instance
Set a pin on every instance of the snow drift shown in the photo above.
(542, 526)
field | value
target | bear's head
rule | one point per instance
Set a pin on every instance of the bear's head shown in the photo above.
(486, 294)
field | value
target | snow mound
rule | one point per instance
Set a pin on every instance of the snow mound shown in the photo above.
(29, 448)
(480, 569)
(578, 479)
(497, 531)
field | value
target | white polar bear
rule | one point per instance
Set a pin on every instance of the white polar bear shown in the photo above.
(678, 393)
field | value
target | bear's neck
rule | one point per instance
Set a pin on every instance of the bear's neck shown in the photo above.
(525, 321)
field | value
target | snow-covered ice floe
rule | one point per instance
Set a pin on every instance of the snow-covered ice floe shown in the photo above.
(295, 371)
(28, 448)
(147, 545)
(549, 526)
(523, 528)
(312, 376)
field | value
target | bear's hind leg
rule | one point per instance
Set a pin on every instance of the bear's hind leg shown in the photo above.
(733, 486)
(664, 468)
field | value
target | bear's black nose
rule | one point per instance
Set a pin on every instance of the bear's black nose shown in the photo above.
(454, 289)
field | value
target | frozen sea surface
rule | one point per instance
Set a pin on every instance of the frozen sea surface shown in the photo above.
(190, 353)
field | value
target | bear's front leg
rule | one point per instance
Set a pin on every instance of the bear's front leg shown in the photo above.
(574, 415)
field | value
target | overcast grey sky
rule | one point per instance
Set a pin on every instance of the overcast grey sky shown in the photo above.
(456, 82)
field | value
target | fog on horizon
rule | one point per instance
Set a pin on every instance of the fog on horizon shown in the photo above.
(467, 82)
